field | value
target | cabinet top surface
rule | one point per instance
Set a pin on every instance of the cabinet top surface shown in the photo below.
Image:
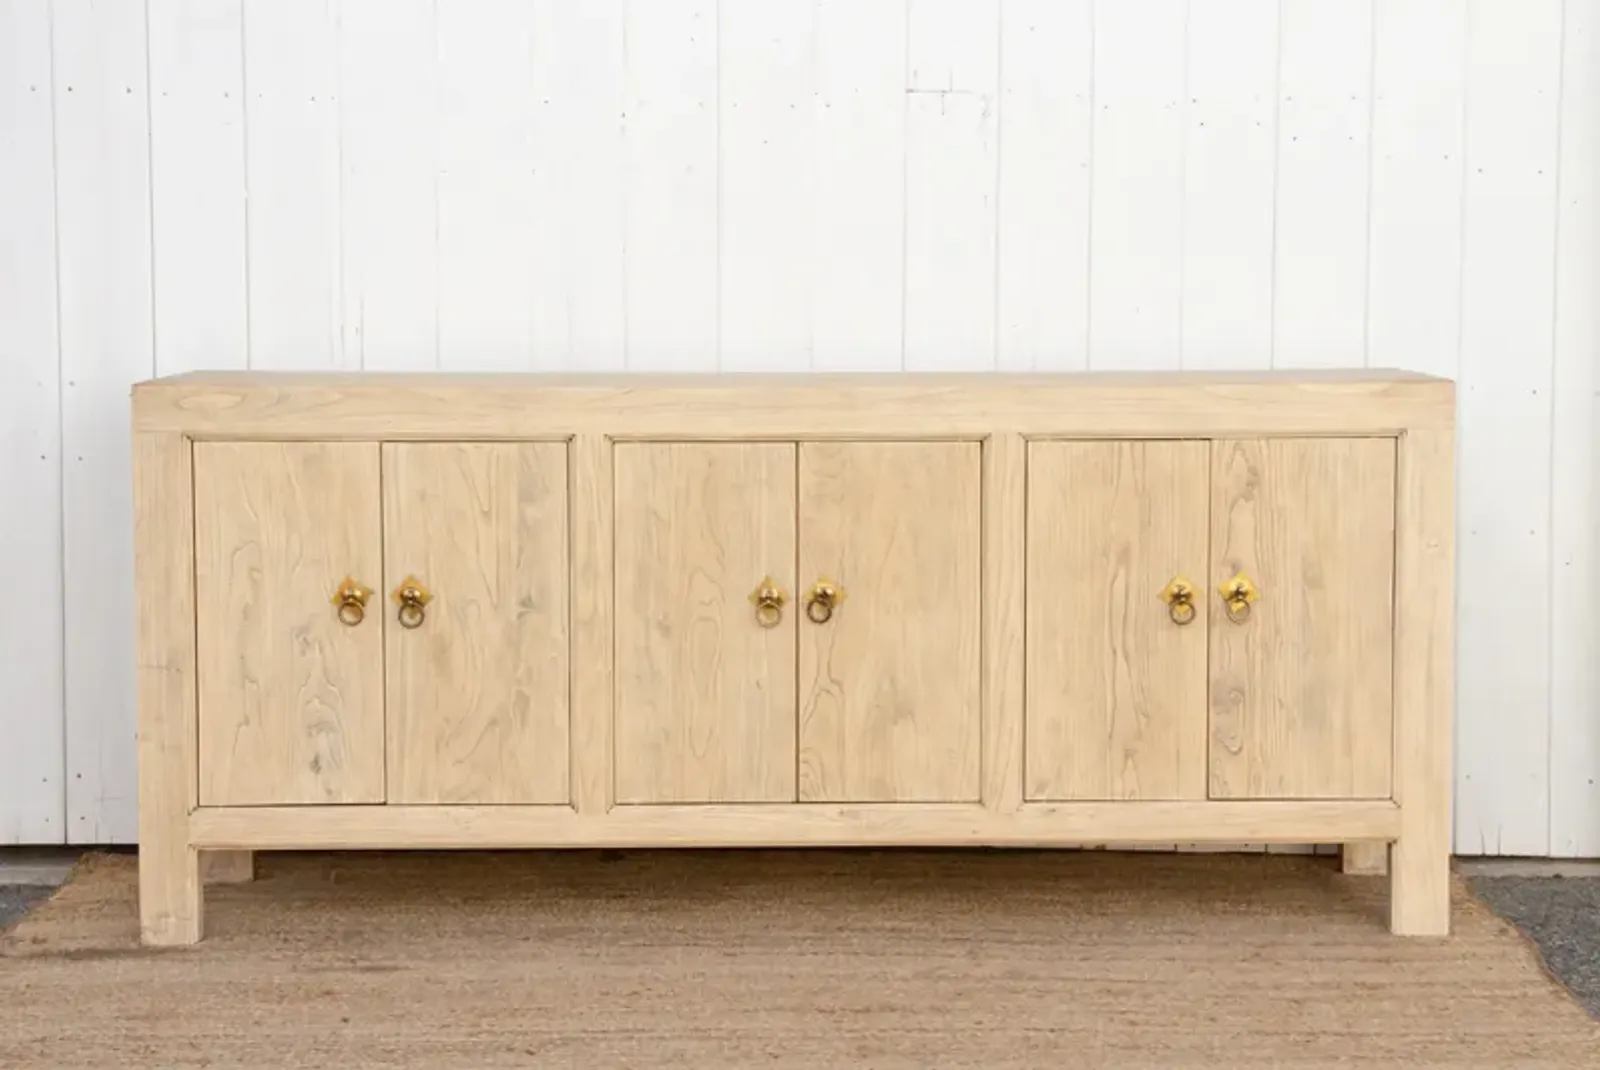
(400, 405)
(325, 380)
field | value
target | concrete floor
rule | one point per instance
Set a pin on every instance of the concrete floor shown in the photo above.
(1557, 905)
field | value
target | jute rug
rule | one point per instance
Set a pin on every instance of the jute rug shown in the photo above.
(779, 959)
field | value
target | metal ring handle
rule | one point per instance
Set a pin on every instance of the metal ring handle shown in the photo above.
(411, 613)
(819, 609)
(769, 612)
(1238, 610)
(351, 612)
(1181, 611)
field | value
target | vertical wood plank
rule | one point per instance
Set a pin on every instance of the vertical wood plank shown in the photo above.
(579, 311)
(1418, 112)
(292, 174)
(1005, 490)
(388, 139)
(277, 527)
(891, 685)
(705, 695)
(858, 252)
(1419, 902)
(163, 533)
(1324, 137)
(33, 761)
(1136, 250)
(475, 696)
(1116, 687)
(672, 197)
(197, 178)
(1367, 858)
(102, 141)
(1046, 116)
(487, 164)
(952, 107)
(1507, 353)
(766, 119)
(1575, 432)
(593, 687)
(1229, 178)
(1310, 523)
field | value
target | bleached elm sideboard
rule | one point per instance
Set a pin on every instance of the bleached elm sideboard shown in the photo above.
(388, 611)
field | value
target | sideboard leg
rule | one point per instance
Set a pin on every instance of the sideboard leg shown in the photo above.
(163, 559)
(227, 867)
(1365, 858)
(1419, 864)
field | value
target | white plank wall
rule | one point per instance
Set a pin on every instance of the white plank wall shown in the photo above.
(806, 184)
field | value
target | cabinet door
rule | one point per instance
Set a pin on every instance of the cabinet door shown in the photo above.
(889, 683)
(705, 679)
(290, 696)
(1301, 694)
(477, 684)
(1116, 675)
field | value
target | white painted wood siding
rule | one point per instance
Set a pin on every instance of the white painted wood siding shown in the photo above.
(805, 184)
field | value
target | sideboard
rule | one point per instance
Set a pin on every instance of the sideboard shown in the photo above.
(471, 611)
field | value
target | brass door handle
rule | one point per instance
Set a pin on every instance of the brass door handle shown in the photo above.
(350, 598)
(411, 596)
(823, 598)
(1179, 597)
(768, 598)
(1237, 594)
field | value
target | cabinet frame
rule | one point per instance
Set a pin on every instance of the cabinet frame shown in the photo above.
(1002, 412)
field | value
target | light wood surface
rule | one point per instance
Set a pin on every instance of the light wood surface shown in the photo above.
(1002, 542)
(591, 502)
(227, 867)
(1365, 858)
(800, 825)
(1301, 700)
(1116, 690)
(1005, 488)
(890, 686)
(780, 407)
(705, 694)
(476, 695)
(163, 538)
(1419, 899)
(290, 699)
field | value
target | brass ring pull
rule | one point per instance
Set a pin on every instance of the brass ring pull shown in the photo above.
(823, 598)
(1237, 594)
(1179, 596)
(350, 600)
(768, 598)
(411, 596)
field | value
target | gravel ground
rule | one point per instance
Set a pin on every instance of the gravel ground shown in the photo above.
(1562, 916)
(16, 898)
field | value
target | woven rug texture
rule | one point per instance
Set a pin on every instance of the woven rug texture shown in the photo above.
(813, 959)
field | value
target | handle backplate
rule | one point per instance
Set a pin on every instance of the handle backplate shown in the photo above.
(411, 596)
(768, 598)
(1179, 597)
(1238, 593)
(350, 598)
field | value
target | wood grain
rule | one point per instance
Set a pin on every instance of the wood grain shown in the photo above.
(1301, 699)
(1005, 488)
(1116, 690)
(705, 695)
(781, 407)
(1424, 683)
(890, 687)
(589, 494)
(291, 700)
(797, 825)
(170, 906)
(477, 694)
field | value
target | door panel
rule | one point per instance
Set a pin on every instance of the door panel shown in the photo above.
(1116, 689)
(1301, 695)
(705, 708)
(290, 699)
(889, 685)
(477, 690)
